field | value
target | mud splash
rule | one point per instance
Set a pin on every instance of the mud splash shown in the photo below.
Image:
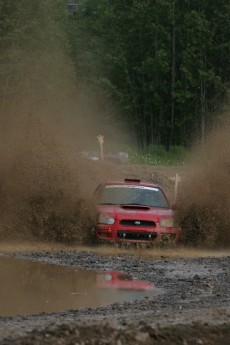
(40, 192)
(204, 200)
(46, 116)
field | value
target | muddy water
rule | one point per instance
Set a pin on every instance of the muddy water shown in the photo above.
(31, 287)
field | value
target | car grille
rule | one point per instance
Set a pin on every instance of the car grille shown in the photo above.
(135, 222)
(138, 236)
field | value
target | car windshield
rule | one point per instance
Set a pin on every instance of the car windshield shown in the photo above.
(132, 195)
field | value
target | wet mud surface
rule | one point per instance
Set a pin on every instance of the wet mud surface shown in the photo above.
(191, 304)
(36, 287)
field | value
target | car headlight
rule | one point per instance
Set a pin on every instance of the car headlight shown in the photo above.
(103, 219)
(167, 222)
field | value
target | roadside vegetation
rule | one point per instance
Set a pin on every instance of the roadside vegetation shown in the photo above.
(158, 155)
(163, 64)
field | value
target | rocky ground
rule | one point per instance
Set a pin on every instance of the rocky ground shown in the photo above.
(191, 305)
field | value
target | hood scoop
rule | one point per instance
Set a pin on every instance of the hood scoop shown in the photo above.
(135, 207)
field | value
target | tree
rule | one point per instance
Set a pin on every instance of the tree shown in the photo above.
(33, 65)
(158, 62)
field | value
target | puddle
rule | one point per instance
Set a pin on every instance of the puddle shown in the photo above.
(31, 287)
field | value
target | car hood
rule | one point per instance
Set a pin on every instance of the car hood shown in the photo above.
(135, 212)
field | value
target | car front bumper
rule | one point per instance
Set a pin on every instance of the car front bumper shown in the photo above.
(140, 235)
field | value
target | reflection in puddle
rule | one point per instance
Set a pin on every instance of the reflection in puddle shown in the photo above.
(31, 287)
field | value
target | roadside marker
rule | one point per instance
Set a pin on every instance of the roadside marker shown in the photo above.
(100, 139)
(177, 180)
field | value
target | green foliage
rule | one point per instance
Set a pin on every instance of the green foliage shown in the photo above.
(124, 51)
(34, 70)
(157, 155)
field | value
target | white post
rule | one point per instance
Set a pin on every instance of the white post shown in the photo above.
(177, 180)
(100, 139)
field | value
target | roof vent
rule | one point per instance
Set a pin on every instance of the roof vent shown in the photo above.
(134, 180)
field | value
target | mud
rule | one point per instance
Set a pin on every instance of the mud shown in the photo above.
(51, 288)
(40, 190)
(193, 306)
(46, 187)
(204, 200)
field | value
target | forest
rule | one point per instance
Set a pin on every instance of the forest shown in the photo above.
(161, 66)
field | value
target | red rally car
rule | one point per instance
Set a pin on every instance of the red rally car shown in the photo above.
(132, 211)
